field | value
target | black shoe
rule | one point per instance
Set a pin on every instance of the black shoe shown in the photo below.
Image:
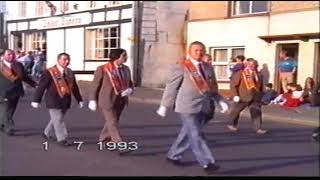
(65, 143)
(211, 168)
(175, 162)
(49, 138)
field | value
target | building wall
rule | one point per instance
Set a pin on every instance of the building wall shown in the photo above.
(286, 18)
(208, 10)
(287, 6)
(161, 39)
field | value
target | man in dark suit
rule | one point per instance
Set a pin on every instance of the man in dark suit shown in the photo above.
(246, 88)
(11, 76)
(59, 83)
(110, 89)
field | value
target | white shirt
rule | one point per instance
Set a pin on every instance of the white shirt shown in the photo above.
(7, 63)
(196, 64)
(61, 69)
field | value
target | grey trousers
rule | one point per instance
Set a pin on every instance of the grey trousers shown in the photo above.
(190, 136)
(56, 125)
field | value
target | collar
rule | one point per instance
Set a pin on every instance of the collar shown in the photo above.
(195, 62)
(61, 69)
(7, 63)
(118, 66)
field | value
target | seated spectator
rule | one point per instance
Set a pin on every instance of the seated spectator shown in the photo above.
(307, 91)
(295, 99)
(315, 95)
(280, 98)
(269, 94)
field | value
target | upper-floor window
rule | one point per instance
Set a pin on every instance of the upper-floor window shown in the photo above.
(249, 7)
(64, 6)
(41, 8)
(22, 7)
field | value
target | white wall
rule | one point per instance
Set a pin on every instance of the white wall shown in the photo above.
(55, 45)
(75, 47)
(125, 43)
(295, 23)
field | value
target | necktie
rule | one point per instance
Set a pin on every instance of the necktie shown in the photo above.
(201, 71)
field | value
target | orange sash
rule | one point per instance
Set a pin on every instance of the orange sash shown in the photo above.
(117, 82)
(249, 79)
(7, 72)
(198, 80)
(63, 87)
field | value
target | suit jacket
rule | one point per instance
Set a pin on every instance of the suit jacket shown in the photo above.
(52, 98)
(182, 94)
(102, 89)
(238, 88)
(12, 90)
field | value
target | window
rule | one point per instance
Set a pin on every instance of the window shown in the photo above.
(249, 7)
(22, 9)
(35, 40)
(222, 60)
(41, 8)
(64, 6)
(100, 41)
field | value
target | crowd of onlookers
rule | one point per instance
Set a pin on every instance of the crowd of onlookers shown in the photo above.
(34, 62)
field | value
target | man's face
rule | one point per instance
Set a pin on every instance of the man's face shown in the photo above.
(251, 65)
(196, 52)
(282, 55)
(207, 59)
(64, 61)
(122, 59)
(9, 56)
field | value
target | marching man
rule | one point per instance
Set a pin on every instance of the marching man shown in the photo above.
(110, 89)
(190, 89)
(59, 83)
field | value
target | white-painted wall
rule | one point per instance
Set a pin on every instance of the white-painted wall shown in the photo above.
(55, 45)
(75, 47)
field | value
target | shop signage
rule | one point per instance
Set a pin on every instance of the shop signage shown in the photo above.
(65, 21)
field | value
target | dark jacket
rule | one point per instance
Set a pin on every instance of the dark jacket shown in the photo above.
(52, 98)
(238, 88)
(12, 90)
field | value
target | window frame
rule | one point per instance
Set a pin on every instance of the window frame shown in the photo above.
(233, 9)
(228, 63)
(94, 39)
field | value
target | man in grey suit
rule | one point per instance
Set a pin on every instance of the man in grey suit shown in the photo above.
(190, 89)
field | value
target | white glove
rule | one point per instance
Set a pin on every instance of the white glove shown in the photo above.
(224, 106)
(236, 98)
(92, 105)
(162, 111)
(81, 104)
(127, 92)
(35, 104)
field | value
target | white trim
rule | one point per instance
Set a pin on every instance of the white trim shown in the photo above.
(102, 26)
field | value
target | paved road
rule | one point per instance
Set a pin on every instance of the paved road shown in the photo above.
(286, 151)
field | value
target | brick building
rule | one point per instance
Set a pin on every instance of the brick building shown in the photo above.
(258, 29)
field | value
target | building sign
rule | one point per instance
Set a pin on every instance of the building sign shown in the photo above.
(65, 21)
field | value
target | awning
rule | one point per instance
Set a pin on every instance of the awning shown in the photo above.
(302, 37)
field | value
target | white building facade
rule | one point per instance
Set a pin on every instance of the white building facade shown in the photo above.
(86, 30)
(260, 30)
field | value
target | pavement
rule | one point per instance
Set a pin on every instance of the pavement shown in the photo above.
(305, 116)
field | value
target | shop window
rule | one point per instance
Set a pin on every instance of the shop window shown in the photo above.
(222, 61)
(249, 7)
(35, 40)
(100, 41)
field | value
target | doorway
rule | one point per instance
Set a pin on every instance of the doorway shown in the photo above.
(293, 51)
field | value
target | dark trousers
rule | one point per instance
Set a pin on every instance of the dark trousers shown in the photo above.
(7, 109)
(255, 112)
(112, 117)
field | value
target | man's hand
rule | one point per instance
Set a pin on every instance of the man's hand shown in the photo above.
(81, 104)
(35, 104)
(127, 92)
(236, 98)
(162, 111)
(92, 105)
